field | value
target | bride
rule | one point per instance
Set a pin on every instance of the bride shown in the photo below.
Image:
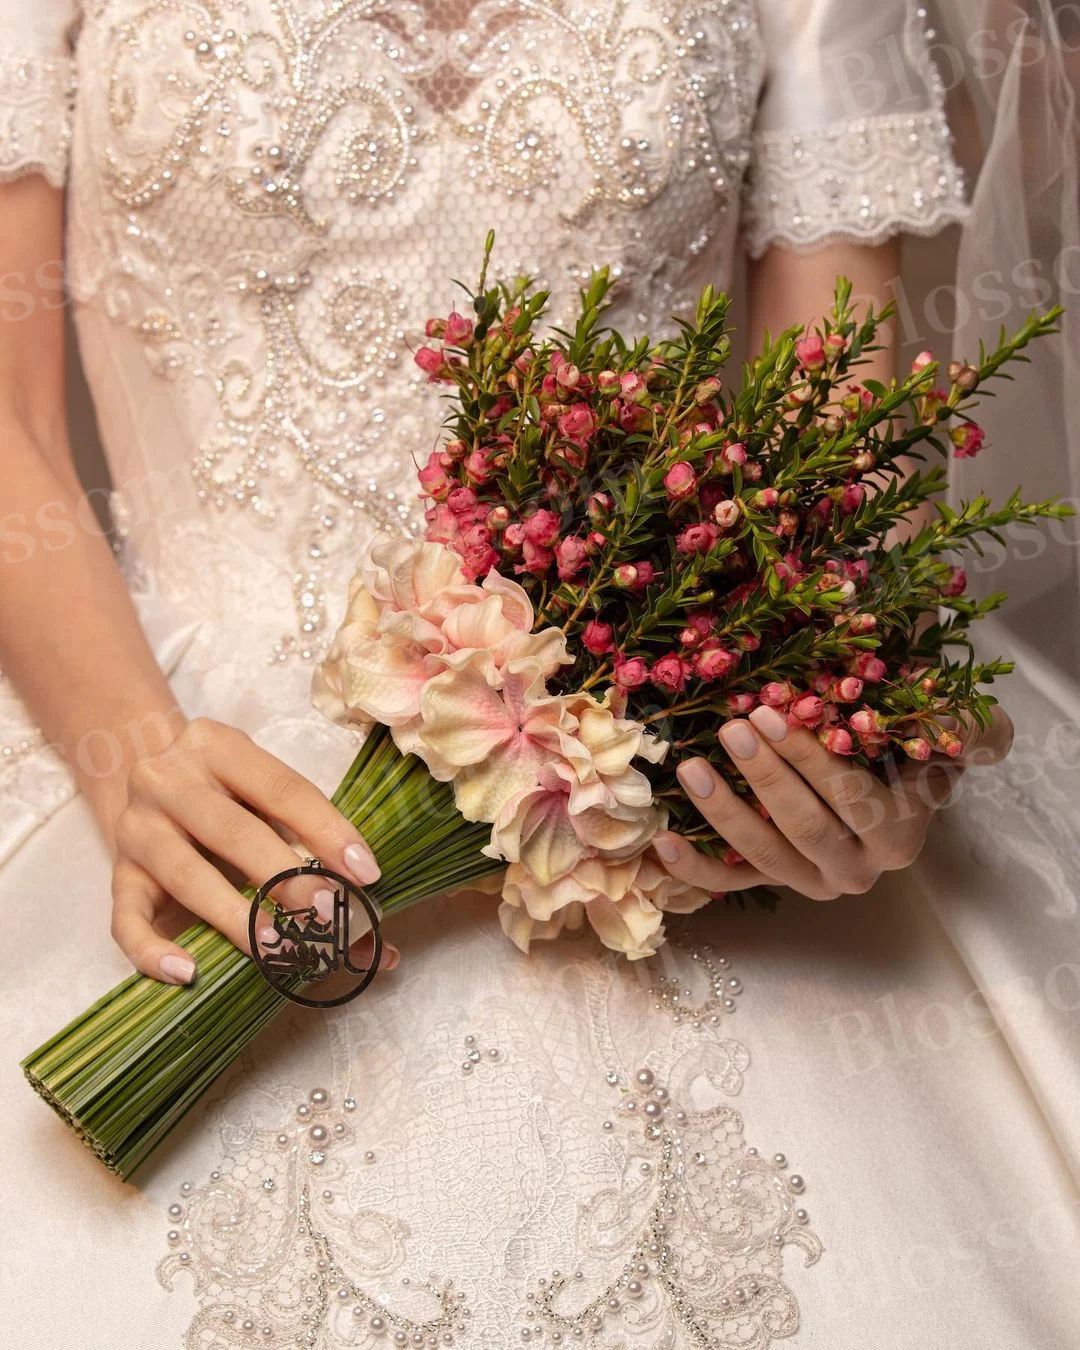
(265, 198)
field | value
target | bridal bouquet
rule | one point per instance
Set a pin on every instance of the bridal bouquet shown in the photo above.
(623, 548)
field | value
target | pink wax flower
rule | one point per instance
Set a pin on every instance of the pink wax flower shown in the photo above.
(680, 481)
(671, 672)
(538, 559)
(461, 501)
(857, 571)
(702, 620)
(477, 467)
(733, 454)
(608, 383)
(635, 576)
(630, 674)
(776, 694)
(847, 690)
(809, 708)
(570, 556)
(431, 362)
(599, 507)
(514, 536)
(968, 440)
(578, 423)
(435, 328)
(862, 624)
(866, 722)
(853, 497)
(837, 740)
(697, 539)
(597, 637)
(765, 499)
(442, 525)
(497, 518)
(433, 479)
(950, 744)
(625, 576)
(459, 330)
(632, 386)
(920, 363)
(957, 582)
(736, 705)
(713, 662)
(810, 352)
(869, 668)
(542, 528)
(707, 390)
(835, 345)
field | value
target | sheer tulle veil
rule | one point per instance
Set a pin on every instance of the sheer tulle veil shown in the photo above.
(1012, 70)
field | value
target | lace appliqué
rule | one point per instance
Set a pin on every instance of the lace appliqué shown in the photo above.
(666, 1227)
(36, 95)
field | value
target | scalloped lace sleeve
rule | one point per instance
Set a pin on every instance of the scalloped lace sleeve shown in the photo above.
(850, 139)
(37, 87)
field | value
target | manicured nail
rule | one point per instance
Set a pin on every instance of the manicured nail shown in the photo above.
(696, 776)
(390, 957)
(266, 937)
(176, 969)
(772, 724)
(323, 902)
(740, 739)
(666, 847)
(360, 861)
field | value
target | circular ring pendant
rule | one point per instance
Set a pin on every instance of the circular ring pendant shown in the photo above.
(307, 948)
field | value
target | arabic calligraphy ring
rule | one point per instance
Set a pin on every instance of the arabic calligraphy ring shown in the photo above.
(305, 947)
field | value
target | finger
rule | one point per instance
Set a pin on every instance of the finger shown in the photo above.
(795, 808)
(280, 793)
(180, 870)
(688, 864)
(758, 841)
(889, 824)
(136, 900)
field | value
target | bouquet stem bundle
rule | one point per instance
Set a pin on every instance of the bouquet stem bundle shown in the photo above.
(129, 1068)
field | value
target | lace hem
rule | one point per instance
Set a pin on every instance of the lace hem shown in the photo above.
(35, 117)
(862, 181)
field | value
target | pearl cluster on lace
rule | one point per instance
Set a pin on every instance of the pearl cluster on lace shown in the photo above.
(724, 989)
(730, 1294)
(316, 1284)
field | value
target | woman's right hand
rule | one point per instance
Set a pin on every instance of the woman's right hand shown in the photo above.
(212, 791)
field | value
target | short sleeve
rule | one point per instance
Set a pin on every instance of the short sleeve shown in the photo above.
(850, 139)
(37, 87)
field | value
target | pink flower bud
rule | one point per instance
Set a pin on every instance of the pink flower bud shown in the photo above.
(542, 528)
(707, 390)
(646, 574)
(848, 689)
(920, 363)
(733, 454)
(461, 501)
(950, 744)
(608, 383)
(696, 539)
(869, 668)
(835, 345)
(568, 375)
(597, 637)
(514, 536)
(715, 662)
(957, 582)
(477, 467)
(690, 637)
(443, 527)
(430, 361)
(765, 499)
(787, 522)
(595, 542)
(917, 748)
(632, 385)
(670, 672)
(861, 624)
(599, 507)
(459, 330)
(809, 708)
(570, 556)
(626, 575)
(680, 481)
(736, 705)
(632, 673)
(435, 328)
(866, 722)
(810, 352)
(837, 741)
(864, 461)
(854, 495)
(726, 514)
(776, 695)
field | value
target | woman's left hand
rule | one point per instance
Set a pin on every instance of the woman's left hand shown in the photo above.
(833, 827)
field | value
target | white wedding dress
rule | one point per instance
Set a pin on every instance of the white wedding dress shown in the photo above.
(266, 200)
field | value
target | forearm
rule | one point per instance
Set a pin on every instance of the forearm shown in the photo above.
(70, 638)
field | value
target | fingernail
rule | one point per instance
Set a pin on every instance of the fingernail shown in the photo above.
(696, 776)
(666, 847)
(740, 739)
(390, 957)
(176, 969)
(323, 902)
(360, 861)
(265, 936)
(772, 724)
